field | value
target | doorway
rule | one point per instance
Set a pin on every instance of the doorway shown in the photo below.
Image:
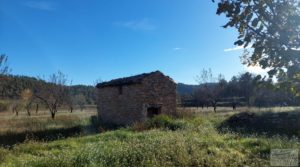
(152, 111)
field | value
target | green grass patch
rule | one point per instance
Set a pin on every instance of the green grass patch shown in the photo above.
(193, 141)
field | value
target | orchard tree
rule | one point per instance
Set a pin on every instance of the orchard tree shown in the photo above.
(54, 93)
(80, 100)
(27, 100)
(271, 29)
(210, 87)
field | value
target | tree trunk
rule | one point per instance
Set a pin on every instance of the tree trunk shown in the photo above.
(37, 108)
(53, 115)
(215, 106)
(28, 112)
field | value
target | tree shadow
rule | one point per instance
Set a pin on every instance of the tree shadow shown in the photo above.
(265, 123)
(11, 138)
(96, 126)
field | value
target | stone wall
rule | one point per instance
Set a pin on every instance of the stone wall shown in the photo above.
(131, 105)
(159, 90)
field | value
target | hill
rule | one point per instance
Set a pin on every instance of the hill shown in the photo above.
(12, 86)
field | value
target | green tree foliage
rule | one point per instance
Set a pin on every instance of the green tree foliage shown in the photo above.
(271, 28)
(246, 89)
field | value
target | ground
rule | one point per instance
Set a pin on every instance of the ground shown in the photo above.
(195, 138)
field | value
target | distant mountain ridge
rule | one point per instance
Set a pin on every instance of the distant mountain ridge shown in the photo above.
(11, 87)
(185, 89)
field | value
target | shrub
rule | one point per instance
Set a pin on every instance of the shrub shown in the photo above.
(166, 122)
(4, 106)
(183, 113)
(3, 153)
(139, 126)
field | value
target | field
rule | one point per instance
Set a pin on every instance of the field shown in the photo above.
(15, 129)
(195, 137)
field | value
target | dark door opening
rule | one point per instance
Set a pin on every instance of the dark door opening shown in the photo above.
(152, 111)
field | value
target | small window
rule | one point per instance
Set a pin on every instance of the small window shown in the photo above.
(120, 90)
(152, 111)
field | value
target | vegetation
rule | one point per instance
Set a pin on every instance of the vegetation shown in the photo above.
(19, 93)
(11, 87)
(245, 89)
(271, 29)
(196, 141)
(269, 32)
(4, 69)
(39, 126)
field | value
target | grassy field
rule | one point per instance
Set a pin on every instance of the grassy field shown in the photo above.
(9, 122)
(40, 126)
(199, 138)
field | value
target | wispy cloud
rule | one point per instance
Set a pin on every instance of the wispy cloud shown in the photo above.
(142, 24)
(176, 49)
(41, 5)
(234, 49)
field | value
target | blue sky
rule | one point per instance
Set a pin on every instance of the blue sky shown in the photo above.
(107, 39)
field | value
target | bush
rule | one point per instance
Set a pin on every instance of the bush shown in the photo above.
(4, 106)
(166, 122)
(183, 113)
(3, 153)
(139, 126)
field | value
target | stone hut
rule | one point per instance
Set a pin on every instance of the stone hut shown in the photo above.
(134, 99)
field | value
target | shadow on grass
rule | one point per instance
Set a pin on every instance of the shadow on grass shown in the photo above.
(266, 123)
(10, 138)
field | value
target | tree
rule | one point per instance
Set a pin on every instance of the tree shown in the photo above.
(4, 69)
(271, 28)
(209, 89)
(80, 100)
(27, 99)
(54, 93)
(246, 86)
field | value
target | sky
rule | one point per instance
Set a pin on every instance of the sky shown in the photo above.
(90, 40)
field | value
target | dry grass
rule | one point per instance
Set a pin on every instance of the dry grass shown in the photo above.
(11, 123)
(170, 142)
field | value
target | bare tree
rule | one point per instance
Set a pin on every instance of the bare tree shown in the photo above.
(27, 100)
(209, 88)
(16, 107)
(4, 69)
(97, 81)
(54, 93)
(80, 100)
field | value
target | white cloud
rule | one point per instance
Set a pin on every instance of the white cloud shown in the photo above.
(41, 5)
(142, 24)
(233, 49)
(176, 49)
(236, 48)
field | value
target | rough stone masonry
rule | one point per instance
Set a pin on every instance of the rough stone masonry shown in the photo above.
(134, 99)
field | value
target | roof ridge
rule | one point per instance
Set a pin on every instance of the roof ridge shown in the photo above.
(135, 79)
